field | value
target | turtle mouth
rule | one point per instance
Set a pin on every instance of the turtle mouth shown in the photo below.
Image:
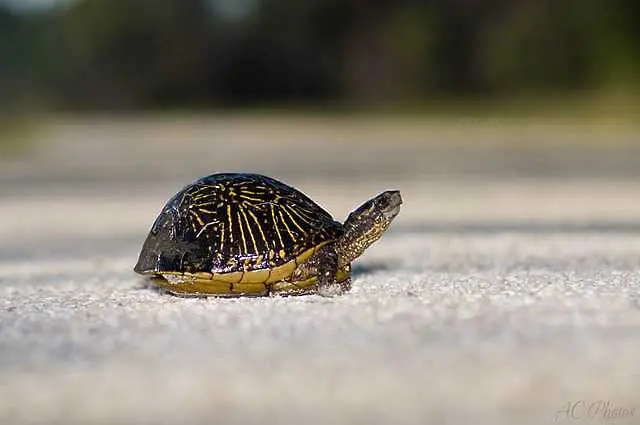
(391, 213)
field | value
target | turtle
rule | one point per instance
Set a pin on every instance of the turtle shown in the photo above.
(242, 234)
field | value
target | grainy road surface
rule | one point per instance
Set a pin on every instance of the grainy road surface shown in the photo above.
(495, 300)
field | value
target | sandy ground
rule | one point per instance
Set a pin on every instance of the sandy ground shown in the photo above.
(491, 300)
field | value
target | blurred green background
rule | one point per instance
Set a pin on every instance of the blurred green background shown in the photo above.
(149, 54)
(415, 88)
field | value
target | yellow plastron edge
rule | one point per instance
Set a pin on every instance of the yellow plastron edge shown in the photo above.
(253, 283)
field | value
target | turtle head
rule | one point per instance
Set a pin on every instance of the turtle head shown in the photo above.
(367, 223)
(380, 209)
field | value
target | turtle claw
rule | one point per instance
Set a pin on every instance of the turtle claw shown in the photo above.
(335, 289)
(330, 291)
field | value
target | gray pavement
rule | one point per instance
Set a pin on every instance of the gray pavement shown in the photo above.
(490, 300)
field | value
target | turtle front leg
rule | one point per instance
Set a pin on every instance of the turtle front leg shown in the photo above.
(327, 268)
(322, 268)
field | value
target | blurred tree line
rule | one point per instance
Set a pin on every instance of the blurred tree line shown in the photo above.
(122, 54)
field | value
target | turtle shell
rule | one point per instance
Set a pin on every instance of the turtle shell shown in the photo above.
(238, 225)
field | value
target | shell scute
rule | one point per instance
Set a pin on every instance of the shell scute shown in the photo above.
(231, 223)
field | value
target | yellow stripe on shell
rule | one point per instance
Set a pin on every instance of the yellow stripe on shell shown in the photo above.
(264, 238)
(275, 224)
(242, 235)
(206, 211)
(221, 236)
(198, 219)
(246, 220)
(230, 223)
(293, 238)
(298, 212)
(288, 211)
(250, 198)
